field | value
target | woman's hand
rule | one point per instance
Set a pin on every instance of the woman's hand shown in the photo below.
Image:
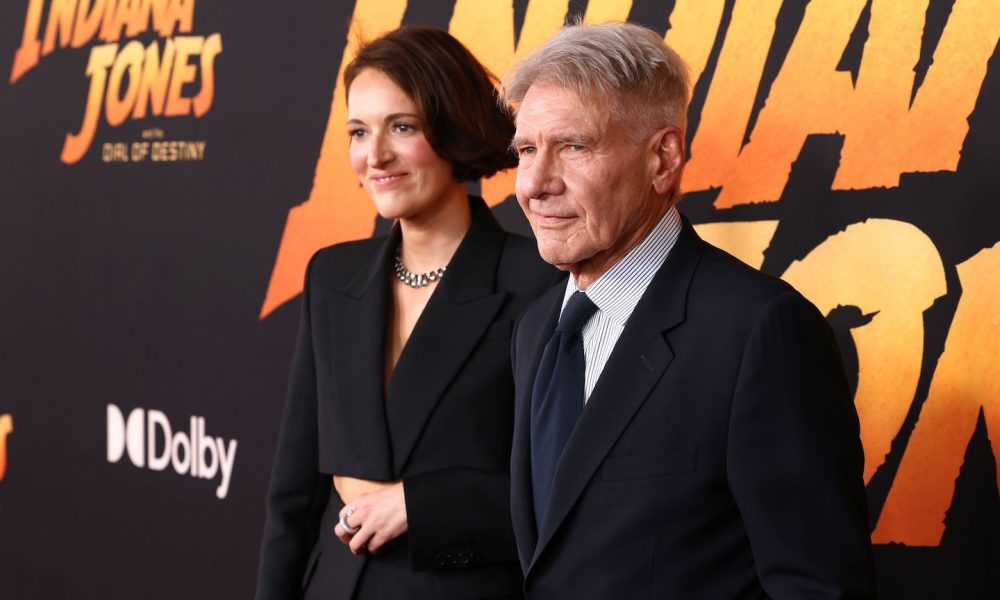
(379, 514)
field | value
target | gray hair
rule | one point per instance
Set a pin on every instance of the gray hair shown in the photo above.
(627, 66)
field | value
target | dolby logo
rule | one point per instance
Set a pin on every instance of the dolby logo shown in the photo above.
(151, 442)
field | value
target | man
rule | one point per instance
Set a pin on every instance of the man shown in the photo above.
(686, 430)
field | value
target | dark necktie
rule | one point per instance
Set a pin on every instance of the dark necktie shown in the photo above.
(557, 397)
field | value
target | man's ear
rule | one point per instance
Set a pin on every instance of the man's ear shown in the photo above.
(667, 148)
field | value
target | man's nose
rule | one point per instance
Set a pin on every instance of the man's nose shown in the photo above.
(540, 177)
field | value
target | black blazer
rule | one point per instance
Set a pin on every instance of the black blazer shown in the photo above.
(444, 429)
(718, 456)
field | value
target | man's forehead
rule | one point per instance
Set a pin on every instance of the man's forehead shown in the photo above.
(554, 110)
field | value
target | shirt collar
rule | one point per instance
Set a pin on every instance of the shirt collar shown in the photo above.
(617, 292)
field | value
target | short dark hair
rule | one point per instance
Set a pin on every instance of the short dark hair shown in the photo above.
(464, 122)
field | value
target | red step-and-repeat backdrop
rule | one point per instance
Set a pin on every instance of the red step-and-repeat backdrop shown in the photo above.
(168, 167)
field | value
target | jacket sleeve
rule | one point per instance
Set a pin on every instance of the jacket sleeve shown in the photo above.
(296, 491)
(795, 459)
(459, 517)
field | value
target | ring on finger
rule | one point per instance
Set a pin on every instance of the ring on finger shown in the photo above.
(343, 522)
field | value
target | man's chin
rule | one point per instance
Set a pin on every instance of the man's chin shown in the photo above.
(556, 259)
(555, 252)
(560, 262)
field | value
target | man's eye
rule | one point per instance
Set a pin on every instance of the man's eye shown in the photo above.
(577, 147)
(526, 150)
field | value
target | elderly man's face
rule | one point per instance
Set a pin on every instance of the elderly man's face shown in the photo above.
(586, 188)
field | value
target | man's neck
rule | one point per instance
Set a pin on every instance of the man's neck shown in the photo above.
(587, 271)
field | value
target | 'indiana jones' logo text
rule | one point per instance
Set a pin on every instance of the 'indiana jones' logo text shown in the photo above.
(157, 75)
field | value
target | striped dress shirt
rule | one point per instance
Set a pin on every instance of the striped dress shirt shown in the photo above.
(617, 292)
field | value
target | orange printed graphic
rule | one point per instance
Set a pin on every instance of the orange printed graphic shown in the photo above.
(929, 136)
(6, 426)
(884, 135)
(966, 381)
(694, 25)
(808, 96)
(894, 285)
(715, 150)
(746, 240)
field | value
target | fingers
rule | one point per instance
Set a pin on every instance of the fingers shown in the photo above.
(382, 537)
(359, 542)
(342, 535)
(373, 520)
(352, 530)
(345, 528)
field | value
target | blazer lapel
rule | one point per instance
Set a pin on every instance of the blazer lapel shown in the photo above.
(522, 507)
(455, 318)
(358, 313)
(637, 363)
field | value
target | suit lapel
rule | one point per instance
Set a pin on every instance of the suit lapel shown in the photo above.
(451, 325)
(535, 337)
(637, 363)
(358, 313)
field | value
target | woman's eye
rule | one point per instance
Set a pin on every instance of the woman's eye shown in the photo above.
(356, 133)
(403, 127)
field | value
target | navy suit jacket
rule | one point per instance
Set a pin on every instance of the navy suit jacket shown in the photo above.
(718, 456)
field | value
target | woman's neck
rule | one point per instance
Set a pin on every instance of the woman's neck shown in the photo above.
(431, 238)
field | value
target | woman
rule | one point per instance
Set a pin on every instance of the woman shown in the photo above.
(390, 479)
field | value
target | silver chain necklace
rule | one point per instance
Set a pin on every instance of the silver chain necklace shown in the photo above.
(412, 279)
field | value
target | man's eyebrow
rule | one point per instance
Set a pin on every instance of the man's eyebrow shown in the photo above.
(517, 141)
(558, 139)
(581, 139)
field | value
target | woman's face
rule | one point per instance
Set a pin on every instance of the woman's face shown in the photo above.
(389, 152)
